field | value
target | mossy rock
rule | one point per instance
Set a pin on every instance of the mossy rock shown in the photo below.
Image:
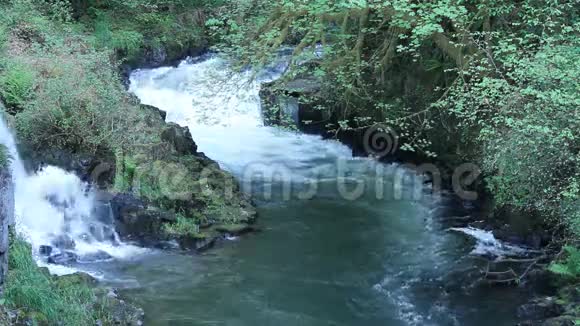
(170, 174)
(66, 281)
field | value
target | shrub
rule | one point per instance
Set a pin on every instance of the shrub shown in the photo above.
(16, 86)
(80, 104)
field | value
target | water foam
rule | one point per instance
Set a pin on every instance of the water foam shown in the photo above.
(222, 110)
(54, 208)
(487, 245)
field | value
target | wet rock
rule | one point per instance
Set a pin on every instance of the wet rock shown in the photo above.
(78, 278)
(180, 138)
(63, 258)
(235, 229)
(155, 56)
(63, 241)
(199, 244)
(295, 103)
(136, 220)
(155, 110)
(540, 309)
(45, 250)
(99, 168)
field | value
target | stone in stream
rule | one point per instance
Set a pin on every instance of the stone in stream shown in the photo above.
(235, 229)
(63, 241)
(135, 220)
(45, 250)
(63, 258)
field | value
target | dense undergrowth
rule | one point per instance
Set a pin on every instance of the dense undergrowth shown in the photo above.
(137, 28)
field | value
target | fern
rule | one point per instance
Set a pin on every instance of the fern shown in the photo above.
(569, 267)
(16, 86)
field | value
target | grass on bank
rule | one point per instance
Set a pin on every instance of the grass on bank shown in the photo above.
(42, 297)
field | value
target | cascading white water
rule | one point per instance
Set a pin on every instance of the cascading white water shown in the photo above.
(216, 103)
(56, 211)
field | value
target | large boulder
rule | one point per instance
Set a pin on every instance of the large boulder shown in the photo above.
(295, 103)
(164, 171)
(180, 138)
(136, 220)
(139, 221)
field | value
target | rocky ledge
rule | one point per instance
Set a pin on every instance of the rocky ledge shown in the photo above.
(163, 192)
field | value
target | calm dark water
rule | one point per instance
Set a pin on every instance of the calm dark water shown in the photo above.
(322, 262)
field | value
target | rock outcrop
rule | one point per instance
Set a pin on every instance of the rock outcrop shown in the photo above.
(153, 182)
(295, 103)
(6, 219)
(560, 310)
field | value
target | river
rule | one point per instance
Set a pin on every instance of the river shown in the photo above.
(344, 241)
(328, 253)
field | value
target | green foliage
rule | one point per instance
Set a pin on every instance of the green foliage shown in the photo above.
(135, 28)
(183, 227)
(16, 85)
(570, 266)
(79, 105)
(42, 296)
(4, 157)
(494, 83)
(127, 42)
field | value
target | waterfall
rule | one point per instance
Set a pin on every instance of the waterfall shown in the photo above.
(58, 215)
